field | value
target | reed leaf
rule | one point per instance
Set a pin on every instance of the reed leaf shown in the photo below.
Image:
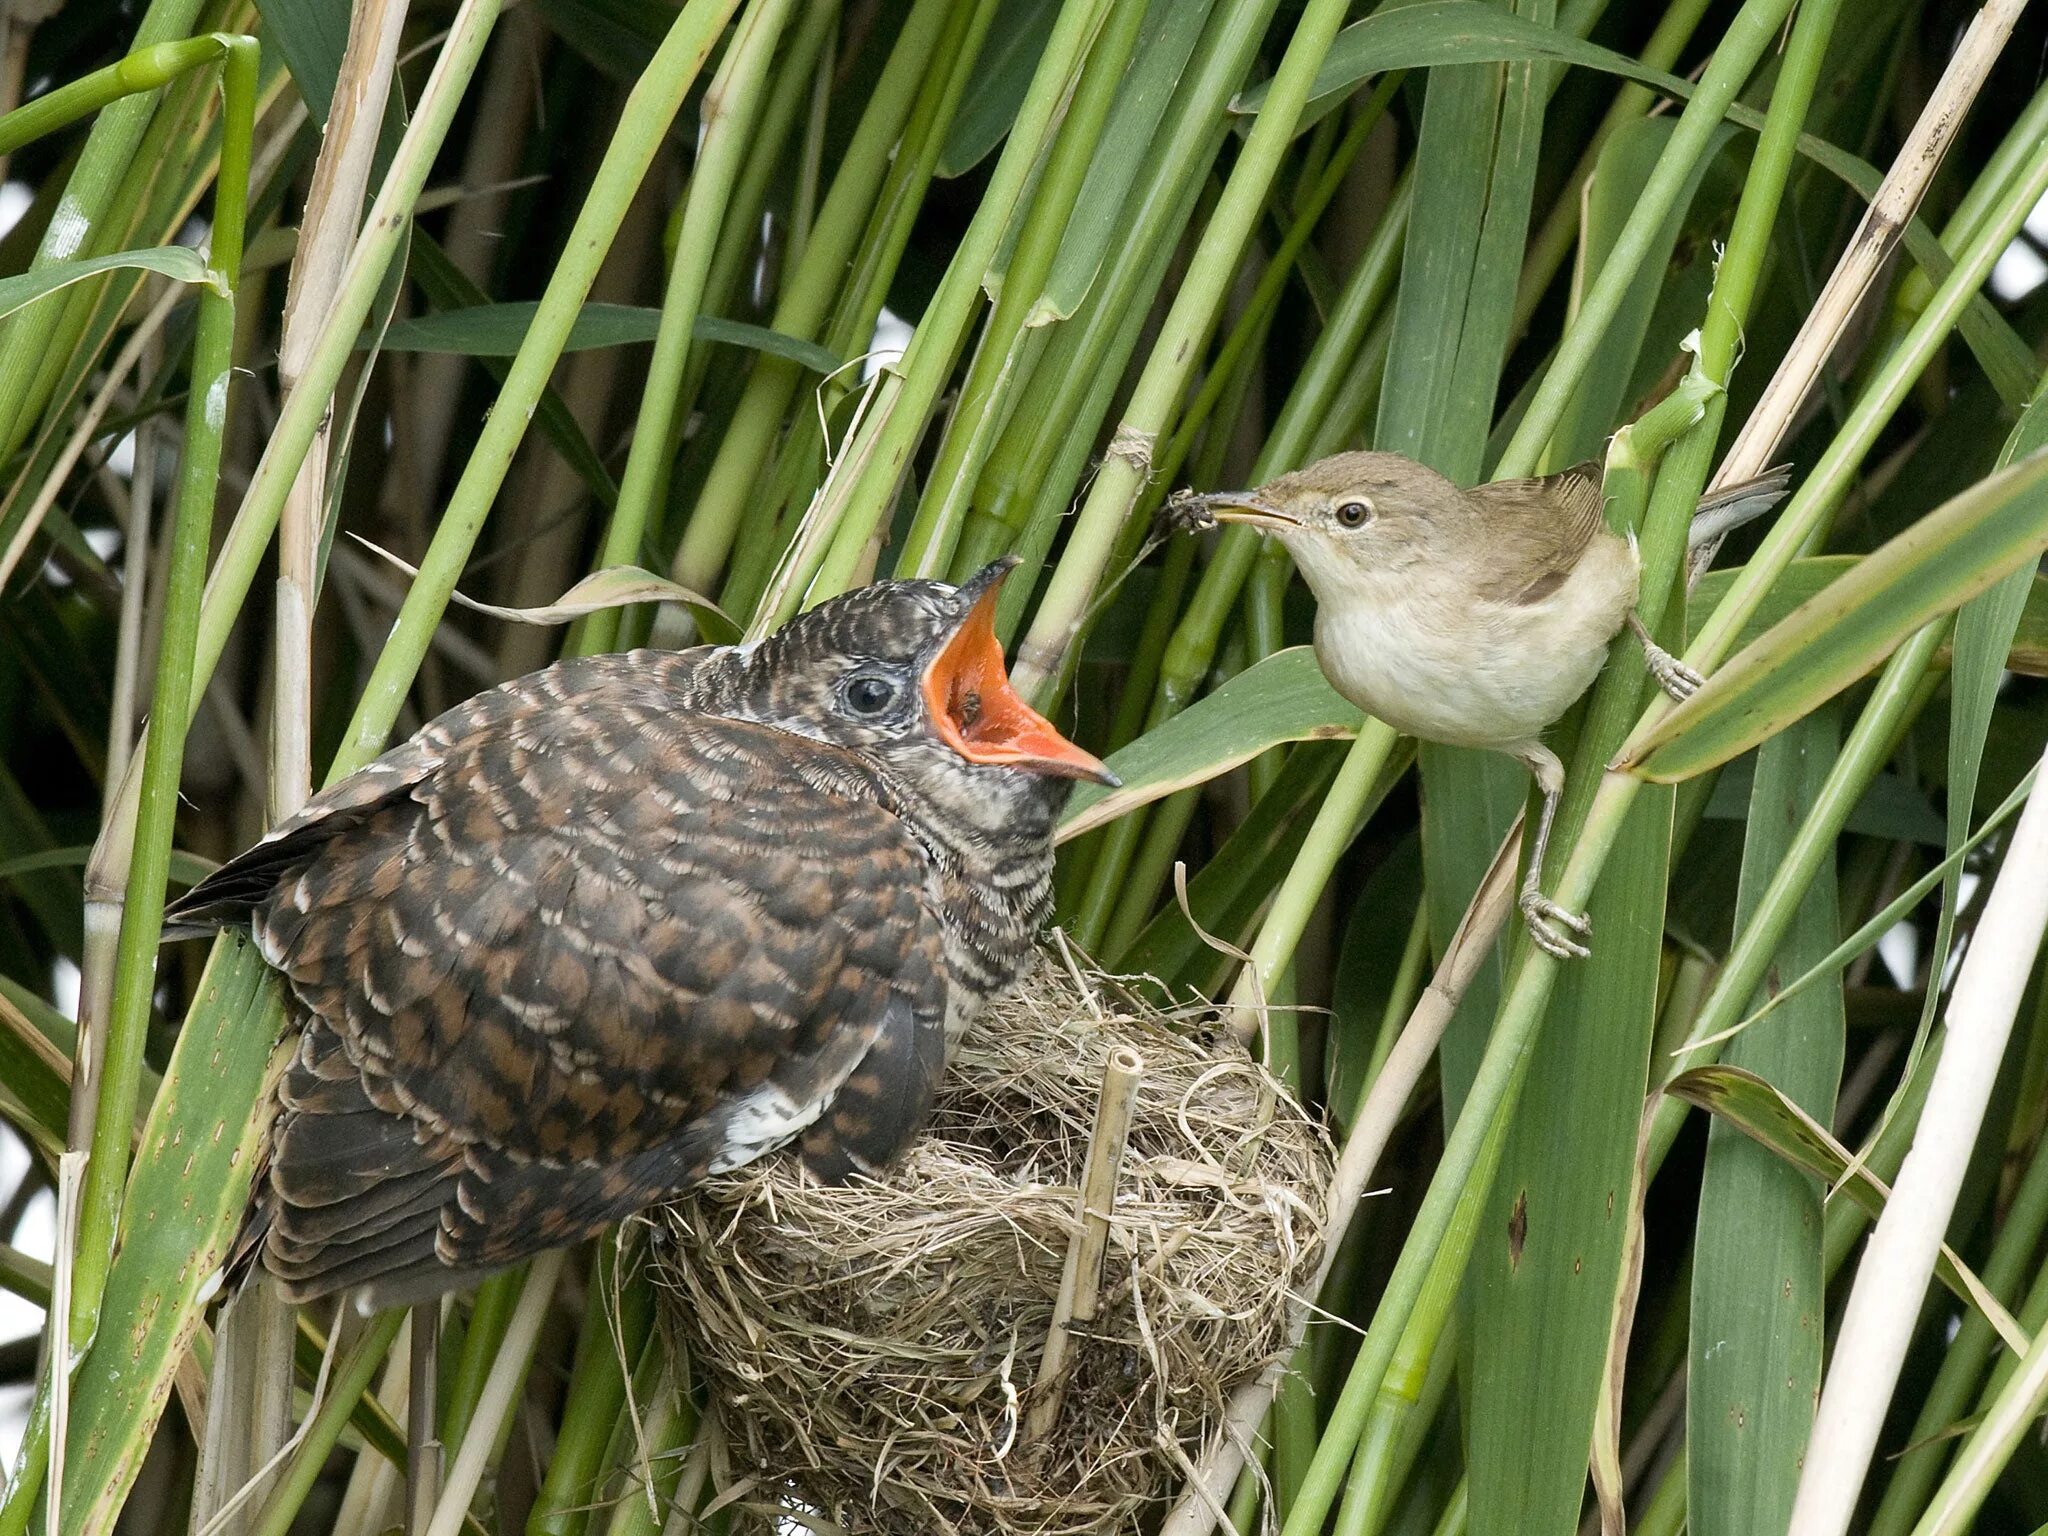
(1939, 563)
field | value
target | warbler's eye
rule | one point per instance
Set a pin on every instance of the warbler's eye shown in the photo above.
(1354, 514)
(869, 695)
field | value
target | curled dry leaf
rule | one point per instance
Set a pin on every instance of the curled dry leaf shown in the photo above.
(616, 586)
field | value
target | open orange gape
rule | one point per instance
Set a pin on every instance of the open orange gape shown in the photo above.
(979, 714)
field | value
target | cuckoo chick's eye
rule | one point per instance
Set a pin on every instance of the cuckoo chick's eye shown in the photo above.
(868, 694)
(1354, 514)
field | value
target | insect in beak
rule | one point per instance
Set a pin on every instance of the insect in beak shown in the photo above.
(1196, 512)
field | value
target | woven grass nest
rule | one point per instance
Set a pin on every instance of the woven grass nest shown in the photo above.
(874, 1349)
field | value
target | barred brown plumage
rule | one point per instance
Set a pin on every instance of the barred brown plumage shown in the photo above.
(634, 919)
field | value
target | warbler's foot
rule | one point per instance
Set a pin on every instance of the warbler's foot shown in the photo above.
(1673, 676)
(1552, 926)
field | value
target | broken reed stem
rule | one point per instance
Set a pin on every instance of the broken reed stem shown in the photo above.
(423, 1412)
(1081, 1280)
(500, 1394)
(70, 1180)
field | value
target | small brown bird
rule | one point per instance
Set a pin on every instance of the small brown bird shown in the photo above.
(635, 919)
(1469, 617)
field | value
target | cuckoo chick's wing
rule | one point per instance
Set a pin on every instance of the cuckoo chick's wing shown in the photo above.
(588, 956)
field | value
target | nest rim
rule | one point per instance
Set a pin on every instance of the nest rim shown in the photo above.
(874, 1347)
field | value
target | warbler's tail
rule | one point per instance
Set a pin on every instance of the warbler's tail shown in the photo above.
(1725, 511)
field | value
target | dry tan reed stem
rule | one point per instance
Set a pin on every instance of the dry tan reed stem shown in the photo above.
(500, 1394)
(1195, 1512)
(327, 232)
(423, 1413)
(1883, 222)
(1081, 1280)
(70, 1177)
(249, 1418)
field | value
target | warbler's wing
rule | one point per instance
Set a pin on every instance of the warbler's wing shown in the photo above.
(1539, 530)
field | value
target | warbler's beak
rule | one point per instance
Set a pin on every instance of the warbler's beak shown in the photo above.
(977, 712)
(1239, 507)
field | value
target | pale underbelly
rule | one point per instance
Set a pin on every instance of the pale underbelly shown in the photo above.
(1499, 690)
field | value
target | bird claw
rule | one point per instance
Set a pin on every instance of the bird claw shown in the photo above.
(1549, 924)
(1678, 681)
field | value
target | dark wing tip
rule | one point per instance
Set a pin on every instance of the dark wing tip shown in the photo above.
(229, 897)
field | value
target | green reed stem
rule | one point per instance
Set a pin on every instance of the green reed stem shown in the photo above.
(146, 69)
(1559, 232)
(1027, 487)
(1189, 653)
(855, 500)
(655, 1490)
(596, 1392)
(1015, 336)
(490, 1315)
(1337, 821)
(1870, 745)
(731, 106)
(799, 82)
(171, 702)
(1042, 655)
(650, 108)
(920, 52)
(1409, 1402)
(351, 1379)
(1747, 38)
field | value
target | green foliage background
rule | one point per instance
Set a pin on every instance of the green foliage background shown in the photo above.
(770, 297)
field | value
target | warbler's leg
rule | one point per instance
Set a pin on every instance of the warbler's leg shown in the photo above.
(1550, 925)
(1673, 675)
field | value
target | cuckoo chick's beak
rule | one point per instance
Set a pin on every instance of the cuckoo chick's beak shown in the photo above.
(977, 712)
